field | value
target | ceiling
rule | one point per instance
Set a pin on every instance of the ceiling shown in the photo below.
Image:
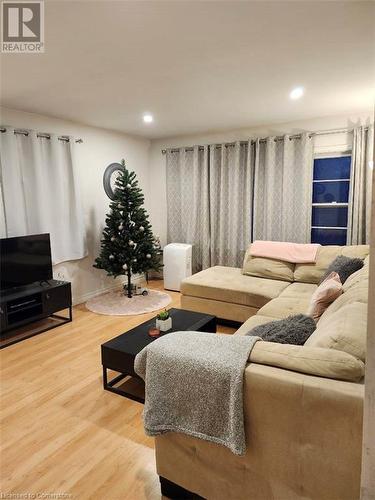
(197, 66)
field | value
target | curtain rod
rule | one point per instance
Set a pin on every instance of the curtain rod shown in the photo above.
(63, 138)
(264, 139)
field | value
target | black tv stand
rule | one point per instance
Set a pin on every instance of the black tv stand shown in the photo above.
(47, 283)
(29, 310)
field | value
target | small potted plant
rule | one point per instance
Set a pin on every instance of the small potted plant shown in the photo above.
(164, 321)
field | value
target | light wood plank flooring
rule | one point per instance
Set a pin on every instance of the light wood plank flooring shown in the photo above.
(60, 431)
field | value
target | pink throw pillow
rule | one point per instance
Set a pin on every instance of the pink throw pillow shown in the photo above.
(324, 295)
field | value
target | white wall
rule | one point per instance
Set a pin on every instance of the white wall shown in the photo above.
(100, 148)
(324, 143)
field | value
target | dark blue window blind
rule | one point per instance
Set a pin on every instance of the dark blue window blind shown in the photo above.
(331, 184)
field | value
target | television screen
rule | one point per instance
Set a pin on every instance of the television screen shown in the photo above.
(24, 260)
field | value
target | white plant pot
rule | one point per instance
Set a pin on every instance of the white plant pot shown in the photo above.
(164, 325)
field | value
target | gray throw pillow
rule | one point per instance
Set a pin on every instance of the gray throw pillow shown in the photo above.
(344, 267)
(291, 330)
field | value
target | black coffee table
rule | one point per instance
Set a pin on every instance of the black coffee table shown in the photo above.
(119, 353)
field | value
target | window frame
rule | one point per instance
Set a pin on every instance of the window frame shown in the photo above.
(322, 156)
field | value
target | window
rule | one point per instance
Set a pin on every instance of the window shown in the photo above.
(330, 202)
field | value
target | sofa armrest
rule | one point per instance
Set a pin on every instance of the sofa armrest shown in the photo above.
(319, 361)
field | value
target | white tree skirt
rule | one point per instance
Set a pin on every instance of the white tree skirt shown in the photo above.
(117, 304)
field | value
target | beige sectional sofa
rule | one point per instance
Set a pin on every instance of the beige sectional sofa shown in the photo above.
(302, 404)
(235, 294)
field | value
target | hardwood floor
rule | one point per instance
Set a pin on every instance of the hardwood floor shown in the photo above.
(60, 431)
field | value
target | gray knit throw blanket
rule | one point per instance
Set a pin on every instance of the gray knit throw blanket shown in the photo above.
(194, 385)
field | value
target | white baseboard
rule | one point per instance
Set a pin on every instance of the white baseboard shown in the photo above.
(79, 299)
(89, 295)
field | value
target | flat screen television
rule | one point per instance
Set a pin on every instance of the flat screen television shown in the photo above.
(25, 260)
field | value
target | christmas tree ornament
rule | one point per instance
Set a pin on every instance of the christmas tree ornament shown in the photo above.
(127, 212)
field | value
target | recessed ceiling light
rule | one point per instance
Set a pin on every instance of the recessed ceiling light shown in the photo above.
(148, 118)
(297, 93)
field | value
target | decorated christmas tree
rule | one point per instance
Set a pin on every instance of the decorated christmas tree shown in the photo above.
(127, 245)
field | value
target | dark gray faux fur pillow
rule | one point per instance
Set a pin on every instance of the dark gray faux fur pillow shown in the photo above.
(291, 330)
(344, 267)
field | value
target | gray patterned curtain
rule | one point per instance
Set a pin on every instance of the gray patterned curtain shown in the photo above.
(188, 202)
(231, 192)
(222, 197)
(360, 186)
(283, 189)
(209, 197)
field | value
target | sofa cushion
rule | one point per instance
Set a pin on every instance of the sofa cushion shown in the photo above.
(295, 299)
(356, 251)
(228, 284)
(267, 268)
(312, 273)
(252, 322)
(359, 276)
(312, 360)
(299, 290)
(282, 307)
(344, 330)
(355, 290)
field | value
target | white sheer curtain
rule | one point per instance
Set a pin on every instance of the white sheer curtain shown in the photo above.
(360, 186)
(283, 189)
(39, 192)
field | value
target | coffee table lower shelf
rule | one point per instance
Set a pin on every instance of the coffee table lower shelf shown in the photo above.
(110, 385)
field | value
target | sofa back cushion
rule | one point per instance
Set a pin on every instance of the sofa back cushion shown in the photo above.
(345, 330)
(267, 268)
(360, 276)
(343, 326)
(312, 360)
(313, 273)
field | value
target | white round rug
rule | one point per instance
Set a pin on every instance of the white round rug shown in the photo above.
(117, 304)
